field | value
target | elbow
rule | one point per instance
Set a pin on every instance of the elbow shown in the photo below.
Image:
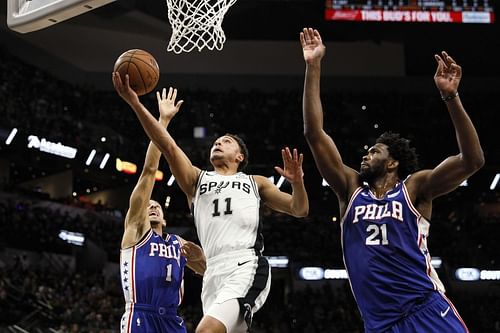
(475, 163)
(301, 213)
(304, 214)
(478, 164)
(478, 161)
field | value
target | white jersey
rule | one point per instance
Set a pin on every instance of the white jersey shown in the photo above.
(226, 213)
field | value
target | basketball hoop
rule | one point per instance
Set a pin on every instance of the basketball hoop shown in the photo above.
(197, 24)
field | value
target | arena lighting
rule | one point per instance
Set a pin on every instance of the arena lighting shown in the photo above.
(494, 183)
(91, 157)
(473, 274)
(199, 132)
(11, 136)
(311, 273)
(171, 180)
(104, 161)
(467, 274)
(158, 175)
(126, 167)
(70, 237)
(278, 261)
(490, 275)
(436, 262)
(336, 274)
(280, 181)
(50, 147)
(320, 273)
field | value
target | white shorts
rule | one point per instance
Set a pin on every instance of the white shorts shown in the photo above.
(238, 275)
(229, 314)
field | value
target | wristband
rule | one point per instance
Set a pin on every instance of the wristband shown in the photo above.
(450, 97)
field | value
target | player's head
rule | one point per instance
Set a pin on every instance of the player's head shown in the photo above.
(391, 153)
(155, 213)
(231, 147)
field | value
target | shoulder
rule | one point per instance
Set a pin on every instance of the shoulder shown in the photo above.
(416, 184)
(201, 175)
(261, 181)
(417, 179)
(181, 240)
(172, 238)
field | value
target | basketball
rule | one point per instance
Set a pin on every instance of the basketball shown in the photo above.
(142, 69)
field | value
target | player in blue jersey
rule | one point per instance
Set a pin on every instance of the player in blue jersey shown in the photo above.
(151, 262)
(386, 208)
(225, 204)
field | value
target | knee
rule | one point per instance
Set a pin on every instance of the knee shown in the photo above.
(203, 329)
(210, 327)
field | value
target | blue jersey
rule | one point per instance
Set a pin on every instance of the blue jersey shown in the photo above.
(152, 278)
(384, 243)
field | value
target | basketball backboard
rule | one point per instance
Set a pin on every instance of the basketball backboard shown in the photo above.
(30, 15)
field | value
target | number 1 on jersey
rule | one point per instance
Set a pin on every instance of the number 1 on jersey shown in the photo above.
(169, 273)
(216, 207)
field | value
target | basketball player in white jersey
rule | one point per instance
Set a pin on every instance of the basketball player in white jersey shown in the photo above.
(225, 203)
(152, 263)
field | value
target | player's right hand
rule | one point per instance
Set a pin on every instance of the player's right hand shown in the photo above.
(123, 89)
(312, 45)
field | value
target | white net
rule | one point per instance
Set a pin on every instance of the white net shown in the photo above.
(197, 24)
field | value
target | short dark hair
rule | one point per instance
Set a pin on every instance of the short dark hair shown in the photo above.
(243, 150)
(400, 150)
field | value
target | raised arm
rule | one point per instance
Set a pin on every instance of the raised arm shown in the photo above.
(342, 179)
(455, 169)
(296, 204)
(183, 170)
(136, 220)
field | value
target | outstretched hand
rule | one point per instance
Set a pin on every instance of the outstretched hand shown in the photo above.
(167, 105)
(191, 251)
(292, 166)
(312, 46)
(123, 88)
(448, 74)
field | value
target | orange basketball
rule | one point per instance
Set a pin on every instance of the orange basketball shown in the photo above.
(142, 69)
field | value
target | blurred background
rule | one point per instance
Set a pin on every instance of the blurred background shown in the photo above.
(62, 207)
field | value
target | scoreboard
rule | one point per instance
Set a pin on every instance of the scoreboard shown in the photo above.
(429, 11)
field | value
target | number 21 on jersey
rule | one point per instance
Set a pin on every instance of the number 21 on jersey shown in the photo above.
(377, 234)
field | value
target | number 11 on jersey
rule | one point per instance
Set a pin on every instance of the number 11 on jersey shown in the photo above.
(225, 212)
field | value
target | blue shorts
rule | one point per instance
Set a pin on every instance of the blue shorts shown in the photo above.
(436, 315)
(144, 318)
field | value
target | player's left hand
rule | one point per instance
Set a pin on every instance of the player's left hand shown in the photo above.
(166, 103)
(192, 252)
(123, 89)
(448, 74)
(292, 166)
